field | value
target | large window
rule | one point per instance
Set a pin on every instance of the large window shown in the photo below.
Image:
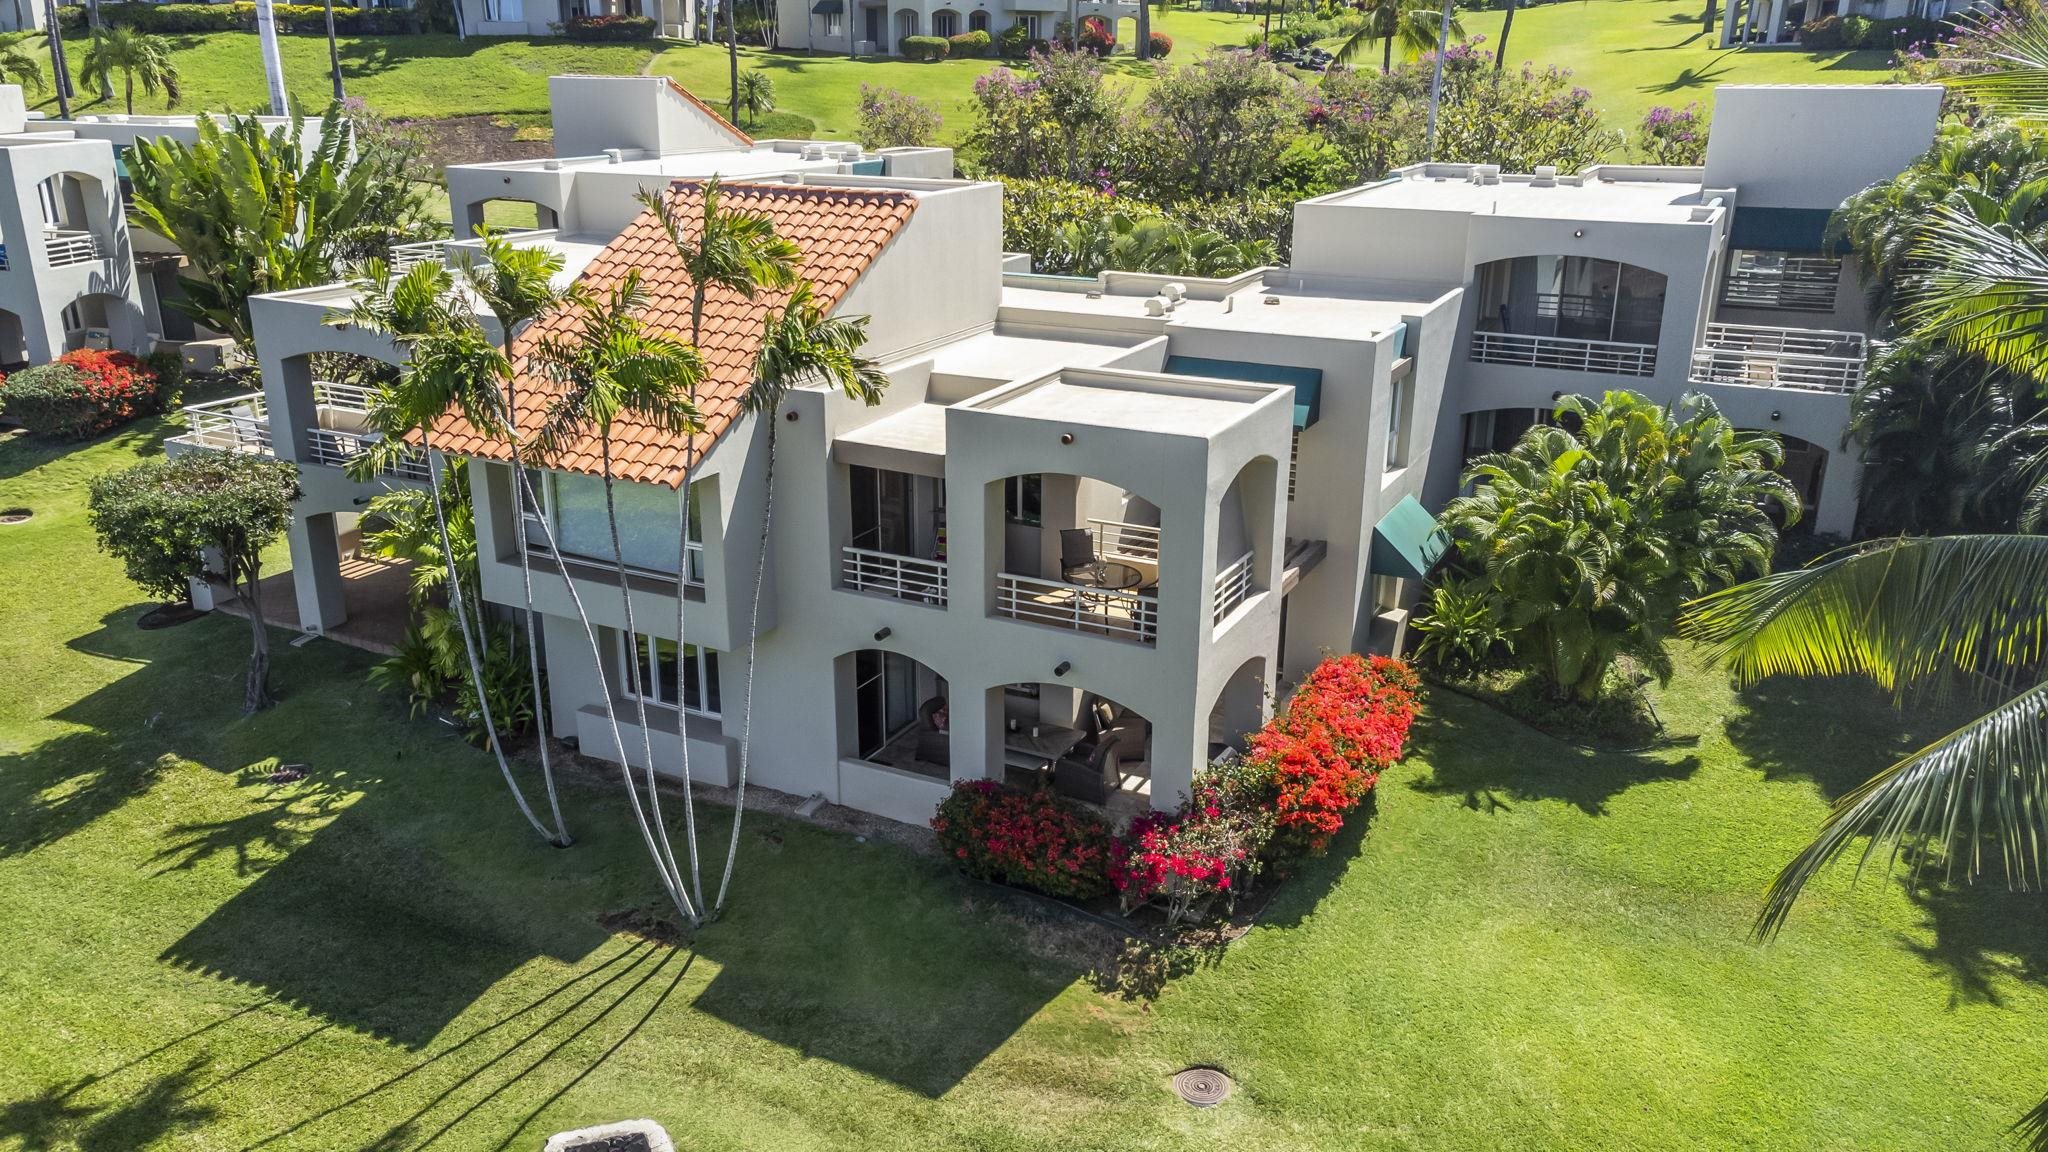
(1782, 281)
(1021, 499)
(885, 698)
(504, 9)
(691, 682)
(648, 521)
(1571, 297)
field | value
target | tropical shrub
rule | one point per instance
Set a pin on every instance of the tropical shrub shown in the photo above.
(1214, 127)
(1673, 135)
(893, 119)
(1097, 38)
(1059, 121)
(81, 394)
(1346, 723)
(1590, 536)
(609, 29)
(187, 19)
(1162, 45)
(1031, 839)
(1462, 626)
(923, 47)
(1015, 40)
(966, 44)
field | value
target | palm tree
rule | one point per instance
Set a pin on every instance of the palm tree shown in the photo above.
(333, 54)
(1915, 615)
(607, 366)
(18, 65)
(799, 344)
(732, 56)
(737, 252)
(1507, 25)
(1436, 83)
(136, 56)
(447, 367)
(757, 95)
(1410, 23)
(53, 35)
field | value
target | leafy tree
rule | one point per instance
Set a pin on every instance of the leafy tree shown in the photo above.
(801, 344)
(258, 211)
(1213, 127)
(1672, 135)
(738, 252)
(1155, 243)
(893, 119)
(18, 65)
(136, 56)
(161, 516)
(1411, 24)
(757, 95)
(1518, 120)
(607, 365)
(1589, 537)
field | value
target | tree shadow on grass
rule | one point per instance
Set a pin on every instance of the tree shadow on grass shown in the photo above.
(1835, 731)
(1981, 935)
(1493, 761)
(1690, 78)
(161, 1109)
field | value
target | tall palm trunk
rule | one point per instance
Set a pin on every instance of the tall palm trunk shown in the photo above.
(1507, 25)
(53, 33)
(256, 684)
(334, 53)
(435, 463)
(664, 860)
(523, 492)
(1386, 53)
(732, 56)
(739, 806)
(1436, 83)
(128, 89)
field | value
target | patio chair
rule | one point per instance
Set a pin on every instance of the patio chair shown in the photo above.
(1093, 780)
(934, 745)
(1077, 550)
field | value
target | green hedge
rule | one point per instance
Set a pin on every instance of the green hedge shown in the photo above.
(967, 44)
(924, 47)
(187, 19)
(1842, 33)
(609, 29)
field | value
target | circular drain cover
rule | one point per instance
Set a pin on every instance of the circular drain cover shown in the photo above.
(14, 515)
(1202, 1087)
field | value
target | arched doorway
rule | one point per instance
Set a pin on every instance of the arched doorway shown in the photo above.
(893, 711)
(506, 214)
(1240, 709)
(977, 21)
(1577, 313)
(1080, 743)
(906, 25)
(946, 23)
(1806, 466)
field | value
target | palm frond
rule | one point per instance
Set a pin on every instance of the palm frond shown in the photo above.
(1984, 288)
(1906, 613)
(1977, 792)
(2018, 43)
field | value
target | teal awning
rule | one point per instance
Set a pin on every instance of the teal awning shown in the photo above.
(1779, 229)
(828, 7)
(1406, 542)
(1307, 382)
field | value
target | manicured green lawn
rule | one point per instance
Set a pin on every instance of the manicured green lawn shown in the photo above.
(1534, 947)
(1635, 54)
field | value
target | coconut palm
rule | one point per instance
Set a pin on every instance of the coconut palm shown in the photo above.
(1915, 615)
(757, 95)
(447, 366)
(1507, 25)
(333, 54)
(1412, 25)
(18, 65)
(799, 344)
(55, 41)
(608, 365)
(136, 56)
(738, 252)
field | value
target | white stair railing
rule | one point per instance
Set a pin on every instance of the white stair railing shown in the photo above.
(71, 247)
(235, 424)
(909, 578)
(338, 449)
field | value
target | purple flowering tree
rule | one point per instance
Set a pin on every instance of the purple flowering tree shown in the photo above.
(1673, 135)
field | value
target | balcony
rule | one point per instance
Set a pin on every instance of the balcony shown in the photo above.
(1119, 614)
(1116, 540)
(1233, 587)
(71, 247)
(1807, 360)
(1611, 357)
(907, 578)
(340, 434)
(236, 424)
(1782, 282)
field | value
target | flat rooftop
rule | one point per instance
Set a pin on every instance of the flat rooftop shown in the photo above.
(1318, 313)
(1443, 188)
(1009, 355)
(1144, 402)
(730, 164)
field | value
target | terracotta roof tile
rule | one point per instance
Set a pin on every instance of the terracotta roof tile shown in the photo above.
(840, 232)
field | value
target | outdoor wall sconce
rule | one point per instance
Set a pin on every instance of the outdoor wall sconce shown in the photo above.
(1066, 437)
(881, 634)
(1776, 415)
(790, 415)
(1556, 396)
(1063, 667)
(1578, 233)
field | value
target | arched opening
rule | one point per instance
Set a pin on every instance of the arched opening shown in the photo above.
(906, 25)
(1577, 313)
(1240, 709)
(895, 542)
(1077, 553)
(86, 323)
(1244, 525)
(894, 711)
(945, 22)
(13, 342)
(74, 212)
(506, 214)
(1497, 430)
(1081, 744)
(1806, 466)
(977, 21)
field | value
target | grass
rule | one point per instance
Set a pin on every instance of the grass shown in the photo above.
(1535, 946)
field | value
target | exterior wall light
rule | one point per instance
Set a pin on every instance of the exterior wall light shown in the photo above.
(1776, 415)
(1063, 667)
(1066, 437)
(881, 634)
(790, 415)
(1578, 233)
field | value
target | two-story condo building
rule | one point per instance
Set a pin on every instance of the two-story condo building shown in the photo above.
(878, 27)
(1095, 524)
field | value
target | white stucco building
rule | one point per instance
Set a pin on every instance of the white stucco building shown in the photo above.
(877, 27)
(1096, 524)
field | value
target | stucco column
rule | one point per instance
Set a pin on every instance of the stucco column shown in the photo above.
(316, 572)
(288, 403)
(977, 733)
(1177, 751)
(1836, 515)
(1777, 21)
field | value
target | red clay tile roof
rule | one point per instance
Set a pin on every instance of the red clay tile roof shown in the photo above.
(840, 232)
(745, 140)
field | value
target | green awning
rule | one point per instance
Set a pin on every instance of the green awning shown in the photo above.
(828, 7)
(1406, 542)
(1779, 229)
(1307, 382)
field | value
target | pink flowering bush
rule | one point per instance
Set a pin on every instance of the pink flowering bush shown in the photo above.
(1673, 135)
(1031, 839)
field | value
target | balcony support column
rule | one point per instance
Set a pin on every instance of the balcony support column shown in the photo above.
(316, 572)
(1836, 514)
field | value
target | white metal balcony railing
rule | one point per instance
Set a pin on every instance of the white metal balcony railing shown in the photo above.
(71, 247)
(1761, 357)
(236, 424)
(405, 256)
(1604, 309)
(1607, 356)
(1788, 284)
(339, 449)
(1117, 614)
(1233, 587)
(1116, 540)
(909, 578)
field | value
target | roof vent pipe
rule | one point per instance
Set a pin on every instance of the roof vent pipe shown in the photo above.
(1175, 291)
(1545, 176)
(615, 155)
(814, 152)
(1157, 305)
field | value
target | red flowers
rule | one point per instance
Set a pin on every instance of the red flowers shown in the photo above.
(1347, 722)
(1033, 839)
(81, 394)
